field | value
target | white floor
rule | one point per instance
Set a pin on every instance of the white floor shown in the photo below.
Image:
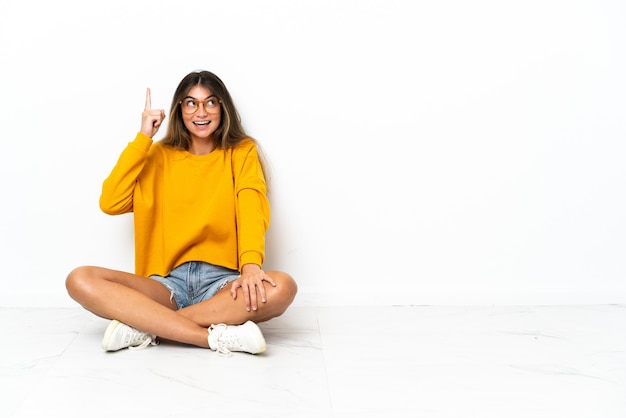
(419, 361)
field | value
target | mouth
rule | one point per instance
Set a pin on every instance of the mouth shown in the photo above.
(202, 123)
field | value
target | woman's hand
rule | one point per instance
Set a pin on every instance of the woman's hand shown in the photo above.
(251, 280)
(151, 119)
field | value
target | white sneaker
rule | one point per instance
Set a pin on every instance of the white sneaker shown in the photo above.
(226, 338)
(119, 335)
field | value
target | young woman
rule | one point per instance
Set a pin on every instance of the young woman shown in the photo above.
(201, 212)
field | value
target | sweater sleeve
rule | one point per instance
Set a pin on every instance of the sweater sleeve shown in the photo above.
(253, 211)
(118, 189)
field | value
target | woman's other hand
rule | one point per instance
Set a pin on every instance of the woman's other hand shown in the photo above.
(251, 280)
(151, 119)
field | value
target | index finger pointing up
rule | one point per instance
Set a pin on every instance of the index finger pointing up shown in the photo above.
(148, 101)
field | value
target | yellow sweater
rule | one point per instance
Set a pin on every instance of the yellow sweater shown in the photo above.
(211, 208)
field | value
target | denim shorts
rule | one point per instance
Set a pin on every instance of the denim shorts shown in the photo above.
(196, 281)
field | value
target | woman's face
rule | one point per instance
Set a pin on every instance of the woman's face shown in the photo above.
(202, 113)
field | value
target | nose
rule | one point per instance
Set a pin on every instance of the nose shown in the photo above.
(202, 108)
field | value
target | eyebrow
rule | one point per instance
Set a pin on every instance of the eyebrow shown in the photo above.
(195, 98)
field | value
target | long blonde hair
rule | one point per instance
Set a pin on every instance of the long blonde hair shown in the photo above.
(229, 133)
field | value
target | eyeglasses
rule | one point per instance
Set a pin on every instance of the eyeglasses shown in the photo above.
(190, 105)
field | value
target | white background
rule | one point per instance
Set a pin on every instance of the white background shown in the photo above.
(422, 152)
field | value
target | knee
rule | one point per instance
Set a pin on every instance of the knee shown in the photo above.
(290, 287)
(286, 288)
(78, 281)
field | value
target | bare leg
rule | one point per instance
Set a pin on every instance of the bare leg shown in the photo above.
(222, 308)
(145, 304)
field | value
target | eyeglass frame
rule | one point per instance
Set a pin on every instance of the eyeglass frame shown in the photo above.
(204, 104)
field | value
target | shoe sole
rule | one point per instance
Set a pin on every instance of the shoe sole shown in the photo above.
(106, 340)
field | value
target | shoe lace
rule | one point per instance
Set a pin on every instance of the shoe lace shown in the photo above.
(224, 340)
(146, 340)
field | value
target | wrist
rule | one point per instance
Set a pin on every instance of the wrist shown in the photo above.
(250, 268)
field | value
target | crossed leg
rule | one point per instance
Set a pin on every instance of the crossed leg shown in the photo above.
(146, 305)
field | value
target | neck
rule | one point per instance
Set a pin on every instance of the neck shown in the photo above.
(201, 147)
